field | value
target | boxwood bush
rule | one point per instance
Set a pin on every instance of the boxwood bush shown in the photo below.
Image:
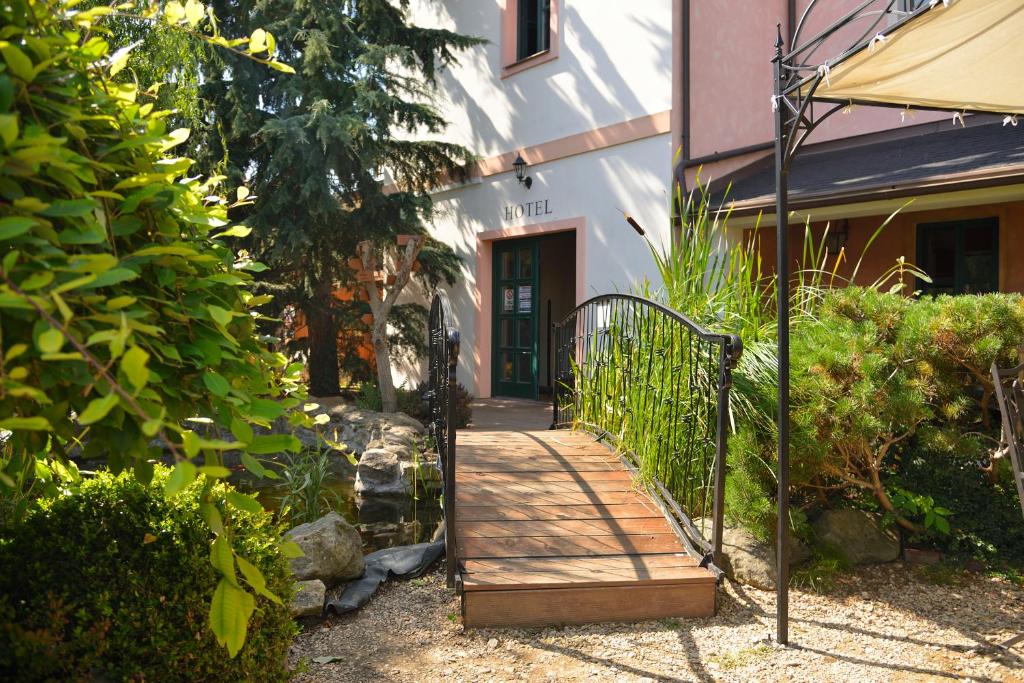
(113, 581)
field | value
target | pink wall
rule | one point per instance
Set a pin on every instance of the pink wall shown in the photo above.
(732, 44)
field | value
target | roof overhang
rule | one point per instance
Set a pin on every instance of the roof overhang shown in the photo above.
(956, 55)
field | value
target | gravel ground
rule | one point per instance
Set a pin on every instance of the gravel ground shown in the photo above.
(887, 623)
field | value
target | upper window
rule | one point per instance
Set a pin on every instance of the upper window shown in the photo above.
(961, 257)
(533, 33)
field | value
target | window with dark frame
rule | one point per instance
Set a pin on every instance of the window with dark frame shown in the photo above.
(961, 257)
(533, 34)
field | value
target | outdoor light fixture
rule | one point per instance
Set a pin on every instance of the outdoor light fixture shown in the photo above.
(835, 240)
(519, 166)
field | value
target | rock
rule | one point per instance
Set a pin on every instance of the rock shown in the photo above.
(309, 601)
(380, 473)
(333, 550)
(751, 561)
(856, 536)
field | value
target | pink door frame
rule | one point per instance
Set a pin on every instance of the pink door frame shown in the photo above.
(485, 283)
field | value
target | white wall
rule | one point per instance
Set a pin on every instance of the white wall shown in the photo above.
(593, 186)
(614, 64)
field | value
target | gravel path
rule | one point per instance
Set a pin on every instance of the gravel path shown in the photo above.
(885, 623)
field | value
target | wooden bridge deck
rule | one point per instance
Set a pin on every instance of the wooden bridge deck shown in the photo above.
(551, 529)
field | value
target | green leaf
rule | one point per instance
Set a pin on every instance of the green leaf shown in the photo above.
(234, 231)
(62, 208)
(29, 424)
(244, 502)
(266, 409)
(9, 128)
(254, 577)
(229, 615)
(212, 516)
(215, 471)
(18, 63)
(241, 430)
(182, 476)
(220, 315)
(216, 383)
(190, 442)
(291, 549)
(222, 558)
(274, 443)
(133, 365)
(258, 41)
(151, 427)
(97, 409)
(194, 12)
(174, 138)
(13, 226)
(51, 341)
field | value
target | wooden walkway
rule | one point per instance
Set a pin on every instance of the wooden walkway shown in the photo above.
(552, 530)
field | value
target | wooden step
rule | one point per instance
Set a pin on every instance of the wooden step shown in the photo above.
(513, 498)
(483, 512)
(556, 546)
(563, 572)
(567, 527)
(586, 605)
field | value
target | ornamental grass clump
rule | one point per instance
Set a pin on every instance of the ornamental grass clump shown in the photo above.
(113, 581)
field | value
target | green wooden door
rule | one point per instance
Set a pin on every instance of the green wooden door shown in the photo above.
(515, 335)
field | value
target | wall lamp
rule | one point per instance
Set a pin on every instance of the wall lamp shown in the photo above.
(519, 166)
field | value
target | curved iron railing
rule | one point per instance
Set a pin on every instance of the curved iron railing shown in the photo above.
(442, 382)
(1009, 385)
(656, 385)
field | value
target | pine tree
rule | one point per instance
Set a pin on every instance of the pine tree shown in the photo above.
(336, 154)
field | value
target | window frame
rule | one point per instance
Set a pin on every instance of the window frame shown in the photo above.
(960, 228)
(511, 62)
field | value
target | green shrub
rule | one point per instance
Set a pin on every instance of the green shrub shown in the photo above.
(114, 582)
(410, 402)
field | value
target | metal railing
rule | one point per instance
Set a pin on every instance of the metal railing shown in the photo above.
(443, 361)
(656, 386)
(1010, 397)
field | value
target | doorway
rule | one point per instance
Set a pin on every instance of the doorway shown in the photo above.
(534, 287)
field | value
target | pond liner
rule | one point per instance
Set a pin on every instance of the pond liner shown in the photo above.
(403, 562)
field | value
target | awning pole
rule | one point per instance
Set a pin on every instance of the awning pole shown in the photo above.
(782, 305)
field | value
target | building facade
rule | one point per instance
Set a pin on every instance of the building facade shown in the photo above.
(610, 105)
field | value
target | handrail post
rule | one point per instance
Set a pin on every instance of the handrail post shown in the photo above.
(449, 465)
(726, 361)
(553, 348)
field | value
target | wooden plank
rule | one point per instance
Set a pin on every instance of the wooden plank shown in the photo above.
(572, 527)
(637, 563)
(470, 513)
(539, 465)
(567, 578)
(554, 546)
(522, 477)
(504, 487)
(586, 605)
(512, 498)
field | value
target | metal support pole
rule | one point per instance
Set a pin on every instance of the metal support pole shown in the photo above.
(782, 304)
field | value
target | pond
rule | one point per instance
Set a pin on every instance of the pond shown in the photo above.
(382, 521)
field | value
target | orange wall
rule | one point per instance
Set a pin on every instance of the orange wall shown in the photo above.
(899, 239)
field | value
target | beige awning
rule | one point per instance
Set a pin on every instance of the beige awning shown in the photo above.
(966, 56)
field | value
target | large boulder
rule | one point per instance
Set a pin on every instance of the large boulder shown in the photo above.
(332, 550)
(309, 600)
(857, 536)
(748, 560)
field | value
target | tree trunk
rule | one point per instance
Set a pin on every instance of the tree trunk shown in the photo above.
(382, 353)
(323, 346)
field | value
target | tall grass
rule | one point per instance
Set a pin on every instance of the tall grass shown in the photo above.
(659, 401)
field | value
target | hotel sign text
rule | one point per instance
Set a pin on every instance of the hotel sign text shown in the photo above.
(528, 210)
